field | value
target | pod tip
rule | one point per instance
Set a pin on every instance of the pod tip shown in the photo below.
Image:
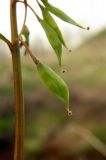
(70, 50)
(69, 112)
(63, 70)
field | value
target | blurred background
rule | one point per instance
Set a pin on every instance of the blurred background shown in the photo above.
(50, 133)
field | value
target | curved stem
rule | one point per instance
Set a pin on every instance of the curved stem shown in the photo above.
(36, 61)
(19, 104)
(7, 41)
(32, 10)
(24, 19)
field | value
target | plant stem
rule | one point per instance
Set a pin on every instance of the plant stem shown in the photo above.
(18, 92)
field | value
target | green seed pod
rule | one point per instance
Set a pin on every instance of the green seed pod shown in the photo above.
(53, 39)
(59, 13)
(54, 83)
(51, 22)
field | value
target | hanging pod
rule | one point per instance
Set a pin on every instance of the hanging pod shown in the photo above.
(54, 83)
(51, 22)
(53, 39)
(59, 13)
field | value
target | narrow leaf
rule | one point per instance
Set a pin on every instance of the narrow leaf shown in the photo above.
(59, 13)
(54, 83)
(51, 22)
(53, 39)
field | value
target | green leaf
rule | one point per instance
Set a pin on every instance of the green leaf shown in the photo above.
(51, 22)
(59, 13)
(53, 39)
(54, 83)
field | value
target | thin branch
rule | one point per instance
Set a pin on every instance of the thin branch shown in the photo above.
(36, 61)
(25, 16)
(2, 37)
(39, 19)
